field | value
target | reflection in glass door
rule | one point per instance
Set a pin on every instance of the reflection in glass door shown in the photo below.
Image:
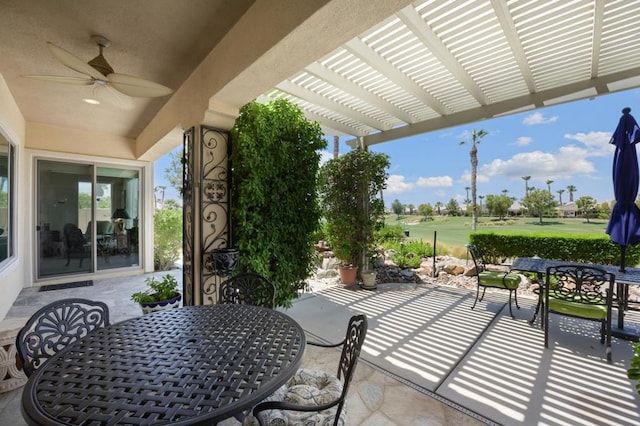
(62, 246)
(117, 218)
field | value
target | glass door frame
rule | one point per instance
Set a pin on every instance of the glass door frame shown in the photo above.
(90, 233)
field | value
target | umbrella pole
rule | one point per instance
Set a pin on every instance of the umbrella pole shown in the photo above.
(623, 258)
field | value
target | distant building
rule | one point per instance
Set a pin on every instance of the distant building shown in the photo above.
(568, 210)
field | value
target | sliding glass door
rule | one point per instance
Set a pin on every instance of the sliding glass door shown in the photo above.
(87, 218)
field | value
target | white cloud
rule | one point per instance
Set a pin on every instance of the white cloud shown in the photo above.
(325, 156)
(538, 118)
(397, 185)
(523, 141)
(434, 181)
(597, 143)
(568, 161)
(465, 178)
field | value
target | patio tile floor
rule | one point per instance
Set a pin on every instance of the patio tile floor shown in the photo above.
(394, 389)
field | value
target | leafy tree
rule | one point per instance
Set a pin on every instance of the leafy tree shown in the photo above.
(397, 207)
(604, 210)
(587, 205)
(571, 189)
(453, 208)
(174, 172)
(425, 210)
(476, 137)
(538, 201)
(275, 215)
(498, 205)
(167, 241)
(350, 186)
(84, 200)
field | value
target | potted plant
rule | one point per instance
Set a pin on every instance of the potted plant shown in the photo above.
(160, 294)
(350, 188)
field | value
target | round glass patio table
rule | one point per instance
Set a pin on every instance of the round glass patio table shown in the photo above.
(192, 365)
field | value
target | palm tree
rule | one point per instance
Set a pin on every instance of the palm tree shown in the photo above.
(549, 182)
(476, 137)
(481, 198)
(467, 188)
(571, 190)
(438, 206)
(526, 184)
(560, 191)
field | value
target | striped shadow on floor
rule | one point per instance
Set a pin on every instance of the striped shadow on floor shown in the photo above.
(416, 332)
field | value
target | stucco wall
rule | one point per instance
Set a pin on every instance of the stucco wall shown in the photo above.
(12, 128)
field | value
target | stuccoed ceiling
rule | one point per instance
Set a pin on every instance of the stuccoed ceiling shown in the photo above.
(159, 40)
(377, 69)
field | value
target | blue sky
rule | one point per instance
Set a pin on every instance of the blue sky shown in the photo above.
(568, 144)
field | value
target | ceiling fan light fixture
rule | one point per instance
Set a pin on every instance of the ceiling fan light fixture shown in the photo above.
(100, 64)
(111, 87)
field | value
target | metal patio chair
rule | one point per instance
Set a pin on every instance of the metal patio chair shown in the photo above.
(581, 292)
(495, 279)
(315, 397)
(55, 326)
(248, 289)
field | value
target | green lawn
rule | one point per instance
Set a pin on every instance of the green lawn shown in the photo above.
(454, 231)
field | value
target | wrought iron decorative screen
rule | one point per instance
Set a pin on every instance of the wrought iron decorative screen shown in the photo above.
(188, 207)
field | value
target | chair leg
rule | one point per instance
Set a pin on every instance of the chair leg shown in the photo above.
(545, 325)
(510, 310)
(609, 350)
(477, 293)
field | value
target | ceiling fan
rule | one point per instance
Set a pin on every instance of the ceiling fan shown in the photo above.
(111, 87)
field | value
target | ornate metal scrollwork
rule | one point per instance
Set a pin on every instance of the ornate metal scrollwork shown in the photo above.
(223, 261)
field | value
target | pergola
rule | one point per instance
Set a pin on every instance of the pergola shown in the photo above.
(436, 64)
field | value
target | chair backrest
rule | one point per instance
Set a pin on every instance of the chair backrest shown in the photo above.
(580, 284)
(55, 326)
(248, 289)
(356, 332)
(477, 256)
(73, 236)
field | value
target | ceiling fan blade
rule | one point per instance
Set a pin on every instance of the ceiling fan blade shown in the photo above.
(136, 86)
(110, 95)
(80, 81)
(74, 62)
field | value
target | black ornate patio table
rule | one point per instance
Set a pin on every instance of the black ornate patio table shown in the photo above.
(192, 365)
(631, 276)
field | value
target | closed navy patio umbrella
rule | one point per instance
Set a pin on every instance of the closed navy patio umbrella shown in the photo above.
(624, 224)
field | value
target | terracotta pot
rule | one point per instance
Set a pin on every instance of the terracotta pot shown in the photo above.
(348, 274)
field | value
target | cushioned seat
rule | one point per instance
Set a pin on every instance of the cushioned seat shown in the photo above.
(594, 312)
(500, 280)
(315, 397)
(306, 387)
